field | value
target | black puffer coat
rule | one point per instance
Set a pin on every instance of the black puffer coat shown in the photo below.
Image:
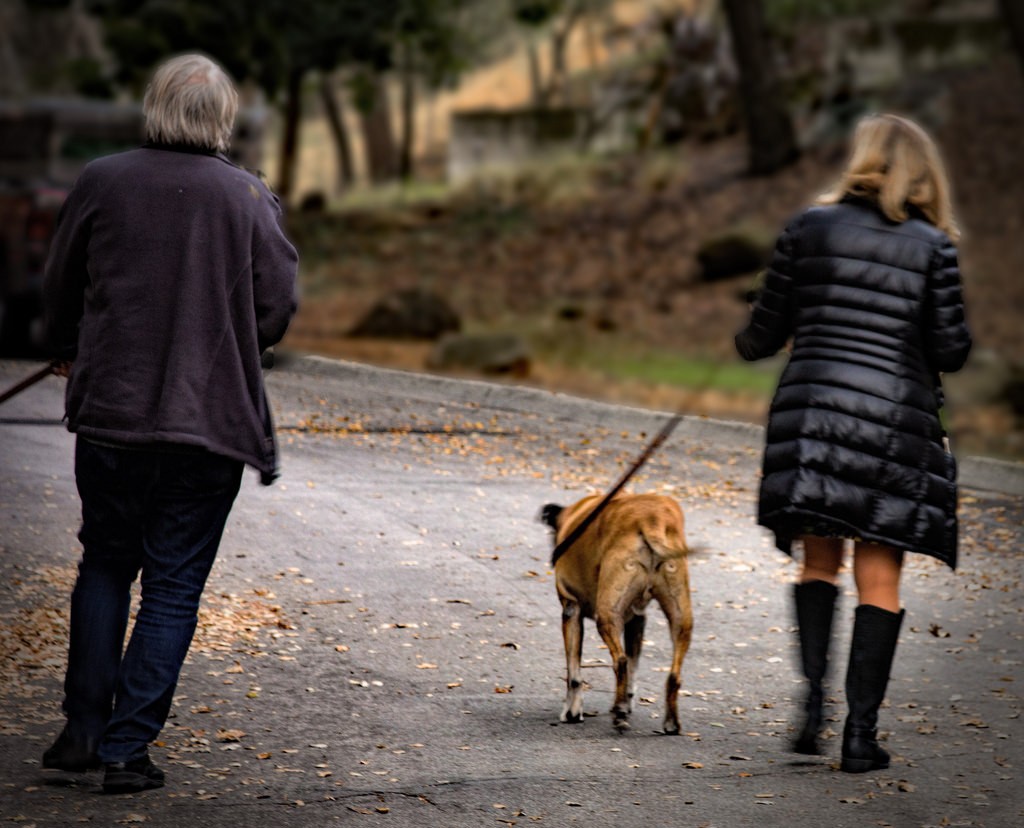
(854, 442)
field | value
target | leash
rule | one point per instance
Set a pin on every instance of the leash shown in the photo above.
(29, 381)
(645, 455)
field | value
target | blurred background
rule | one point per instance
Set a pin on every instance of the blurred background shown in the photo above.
(573, 194)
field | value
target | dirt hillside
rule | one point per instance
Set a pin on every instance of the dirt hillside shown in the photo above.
(605, 262)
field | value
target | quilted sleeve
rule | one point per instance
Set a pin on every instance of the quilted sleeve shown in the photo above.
(946, 335)
(771, 320)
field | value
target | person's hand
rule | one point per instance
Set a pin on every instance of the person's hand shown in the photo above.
(62, 369)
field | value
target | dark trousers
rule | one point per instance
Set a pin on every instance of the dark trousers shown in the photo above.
(161, 513)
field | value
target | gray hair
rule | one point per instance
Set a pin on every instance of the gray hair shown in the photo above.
(192, 101)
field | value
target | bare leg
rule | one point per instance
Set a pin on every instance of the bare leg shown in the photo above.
(876, 571)
(822, 559)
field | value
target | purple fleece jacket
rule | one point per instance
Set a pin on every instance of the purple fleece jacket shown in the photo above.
(168, 276)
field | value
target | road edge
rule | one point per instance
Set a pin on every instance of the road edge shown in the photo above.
(983, 473)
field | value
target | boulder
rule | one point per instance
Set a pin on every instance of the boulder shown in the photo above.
(409, 314)
(734, 253)
(499, 353)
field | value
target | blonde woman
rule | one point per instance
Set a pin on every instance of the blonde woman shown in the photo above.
(866, 286)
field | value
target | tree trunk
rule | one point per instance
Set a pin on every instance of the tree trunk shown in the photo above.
(290, 139)
(342, 145)
(12, 78)
(1013, 14)
(536, 78)
(408, 125)
(378, 137)
(556, 90)
(769, 127)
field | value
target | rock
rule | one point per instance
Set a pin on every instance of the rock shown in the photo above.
(486, 353)
(313, 203)
(734, 253)
(987, 379)
(409, 314)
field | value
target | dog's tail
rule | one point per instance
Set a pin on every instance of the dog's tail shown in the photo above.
(574, 518)
(550, 514)
(665, 539)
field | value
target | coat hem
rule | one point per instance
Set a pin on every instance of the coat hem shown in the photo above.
(788, 526)
(266, 467)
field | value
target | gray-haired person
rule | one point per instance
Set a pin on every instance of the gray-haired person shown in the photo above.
(169, 275)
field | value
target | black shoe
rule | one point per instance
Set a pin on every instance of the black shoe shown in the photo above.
(132, 777)
(861, 752)
(71, 754)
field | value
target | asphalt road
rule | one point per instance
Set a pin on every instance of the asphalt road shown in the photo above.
(380, 640)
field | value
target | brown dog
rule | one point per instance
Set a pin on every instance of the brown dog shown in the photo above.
(635, 550)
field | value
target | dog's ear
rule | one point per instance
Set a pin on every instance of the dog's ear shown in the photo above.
(550, 515)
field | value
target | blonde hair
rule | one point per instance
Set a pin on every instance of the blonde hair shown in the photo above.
(895, 163)
(192, 101)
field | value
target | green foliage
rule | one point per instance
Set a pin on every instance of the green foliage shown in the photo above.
(686, 372)
(535, 12)
(267, 41)
(47, 5)
(618, 358)
(88, 78)
(434, 33)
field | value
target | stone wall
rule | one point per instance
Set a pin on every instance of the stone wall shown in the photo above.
(492, 139)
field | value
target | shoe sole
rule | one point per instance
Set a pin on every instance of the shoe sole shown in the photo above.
(137, 784)
(861, 765)
(70, 767)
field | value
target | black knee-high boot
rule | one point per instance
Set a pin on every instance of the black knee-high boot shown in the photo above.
(815, 604)
(875, 632)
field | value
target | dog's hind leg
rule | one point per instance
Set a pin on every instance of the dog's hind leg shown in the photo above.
(611, 628)
(572, 636)
(674, 599)
(634, 640)
(621, 590)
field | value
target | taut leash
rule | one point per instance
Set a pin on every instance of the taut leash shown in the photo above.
(29, 381)
(582, 526)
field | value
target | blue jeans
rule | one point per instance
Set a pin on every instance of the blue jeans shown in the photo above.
(161, 513)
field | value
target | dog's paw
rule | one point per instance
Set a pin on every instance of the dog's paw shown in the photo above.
(670, 727)
(571, 718)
